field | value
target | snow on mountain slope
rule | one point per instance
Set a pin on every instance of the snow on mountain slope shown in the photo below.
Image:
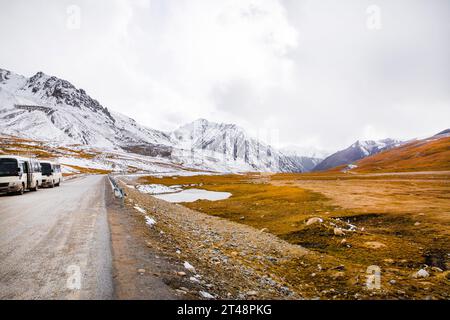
(307, 163)
(357, 151)
(81, 158)
(308, 157)
(10, 81)
(226, 141)
(230, 144)
(46, 108)
(443, 133)
(309, 152)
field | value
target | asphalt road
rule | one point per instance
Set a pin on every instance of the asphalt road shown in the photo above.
(55, 243)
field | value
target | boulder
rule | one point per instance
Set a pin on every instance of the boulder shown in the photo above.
(422, 273)
(313, 221)
(189, 267)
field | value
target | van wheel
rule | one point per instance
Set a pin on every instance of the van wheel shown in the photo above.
(53, 184)
(59, 183)
(20, 192)
(36, 188)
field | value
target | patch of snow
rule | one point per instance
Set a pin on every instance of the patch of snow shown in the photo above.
(140, 209)
(157, 188)
(194, 279)
(85, 163)
(66, 169)
(349, 167)
(150, 221)
(206, 295)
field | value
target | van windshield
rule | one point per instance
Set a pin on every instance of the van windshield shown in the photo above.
(8, 167)
(46, 169)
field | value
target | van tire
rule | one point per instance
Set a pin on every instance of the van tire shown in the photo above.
(36, 188)
(59, 183)
(21, 191)
(52, 185)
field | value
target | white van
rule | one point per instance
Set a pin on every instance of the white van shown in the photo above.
(18, 174)
(51, 174)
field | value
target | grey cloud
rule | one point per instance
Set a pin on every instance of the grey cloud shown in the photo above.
(310, 69)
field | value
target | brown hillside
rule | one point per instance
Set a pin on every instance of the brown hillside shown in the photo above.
(432, 154)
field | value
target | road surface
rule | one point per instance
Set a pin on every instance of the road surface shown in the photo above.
(55, 243)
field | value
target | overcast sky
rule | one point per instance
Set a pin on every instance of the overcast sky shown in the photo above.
(321, 73)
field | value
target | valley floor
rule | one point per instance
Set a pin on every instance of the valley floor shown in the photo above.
(262, 242)
(284, 236)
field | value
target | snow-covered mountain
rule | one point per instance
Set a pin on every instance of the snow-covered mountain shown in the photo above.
(47, 108)
(232, 144)
(309, 152)
(443, 133)
(357, 151)
(307, 163)
(309, 157)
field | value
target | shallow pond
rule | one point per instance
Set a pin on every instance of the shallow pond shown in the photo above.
(191, 195)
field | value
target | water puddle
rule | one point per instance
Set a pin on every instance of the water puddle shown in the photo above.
(191, 195)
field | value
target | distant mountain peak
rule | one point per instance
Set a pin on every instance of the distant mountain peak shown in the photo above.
(310, 152)
(207, 123)
(56, 91)
(202, 121)
(358, 150)
(232, 143)
(444, 132)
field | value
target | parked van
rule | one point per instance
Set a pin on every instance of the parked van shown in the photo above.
(18, 174)
(51, 174)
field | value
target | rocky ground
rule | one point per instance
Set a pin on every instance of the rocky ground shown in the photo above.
(214, 258)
